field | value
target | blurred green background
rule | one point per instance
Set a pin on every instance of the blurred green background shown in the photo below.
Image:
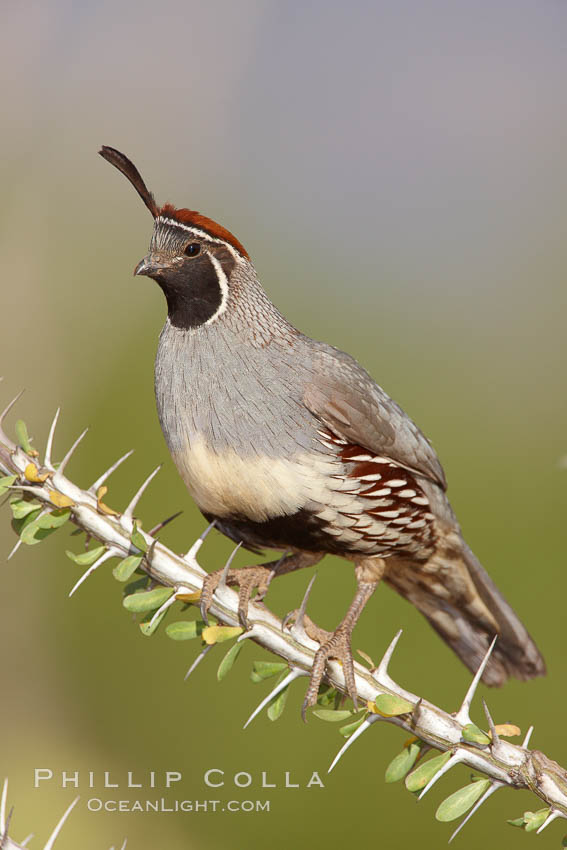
(397, 172)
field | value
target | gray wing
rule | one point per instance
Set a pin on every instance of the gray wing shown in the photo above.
(346, 399)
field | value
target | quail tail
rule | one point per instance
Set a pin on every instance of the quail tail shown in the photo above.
(464, 606)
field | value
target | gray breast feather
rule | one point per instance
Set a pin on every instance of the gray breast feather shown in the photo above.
(344, 396)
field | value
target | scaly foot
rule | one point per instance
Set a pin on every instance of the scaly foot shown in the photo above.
(333, 645)
(247, 579)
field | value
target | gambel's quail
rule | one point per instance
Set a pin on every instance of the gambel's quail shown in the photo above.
(288, 444)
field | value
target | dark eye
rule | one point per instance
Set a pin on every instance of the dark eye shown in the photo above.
(192, 249)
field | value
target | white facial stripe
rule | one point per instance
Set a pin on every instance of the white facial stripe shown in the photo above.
(202, 233)
(223, 283)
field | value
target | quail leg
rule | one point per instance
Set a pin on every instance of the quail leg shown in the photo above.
(337, 644)
(248, 579)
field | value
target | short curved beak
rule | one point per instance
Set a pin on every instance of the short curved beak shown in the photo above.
(149, 266)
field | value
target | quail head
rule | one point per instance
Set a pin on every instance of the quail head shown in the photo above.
(288, 444)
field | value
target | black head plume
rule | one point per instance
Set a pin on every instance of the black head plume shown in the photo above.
(129, 170)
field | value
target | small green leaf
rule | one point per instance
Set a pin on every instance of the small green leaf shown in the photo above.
(6, 483)
(332, 716)
(147, 600)
(185, 629)
(218, 634)
(402, 763)
(419, 777)
(564, 841)
(20, 524)
(519, 822)
(461, 801)
(391, 705)
(276, 707)
(127, 567)
(138, 539)
(534, 820)
(266, 669)
(85, 559)
(346, 731)
(42, 526)
(226, 664)
(148, 628)
(22, 434)
(23, 507)
(475, 735)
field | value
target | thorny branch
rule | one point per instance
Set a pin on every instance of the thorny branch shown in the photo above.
(454, 734)
(6, 843)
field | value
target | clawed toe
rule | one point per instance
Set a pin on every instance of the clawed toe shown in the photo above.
(247, 579)
(336, 646)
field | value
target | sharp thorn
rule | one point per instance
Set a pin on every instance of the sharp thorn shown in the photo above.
(381, 672)
(59, 827)
(4, 836)
(110, 553)
(3, 808)
(15, 549)
(67, 458)
(167, 604)
(3, 436)
(27, 839)
(100, 481)
(488, 793)
(224, 574)
(527, 738)
(197, 661)
(191, 554)
(554, 813)
(373, 718)
(492, 728)
(293, 674)
(124, 845)
(462, 716)
(129, 512)
(157, 528)
(148, 556)
(250, 633)
(456, 758)
(298, 627)
(49, 447)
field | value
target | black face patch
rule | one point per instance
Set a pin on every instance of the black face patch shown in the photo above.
(192, 288)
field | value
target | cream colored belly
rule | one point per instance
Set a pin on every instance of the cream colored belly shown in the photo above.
(256, 487)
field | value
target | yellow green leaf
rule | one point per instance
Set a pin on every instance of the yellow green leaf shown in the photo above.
(6, 482)
(23, 437)
(189, 597)
(508, 730)
(138, 539)
(418, 778)
(218, 634)
(127, 567)
(402, 763)
(461, 801)
(533, 820)
(390, 705)
(104, 509)
(147, 600)
(475, 735)
(185, 629)
(227, 663)
(60, 499)
(85, 559)
(32, 473)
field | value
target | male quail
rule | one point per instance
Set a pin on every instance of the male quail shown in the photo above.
(287, 443)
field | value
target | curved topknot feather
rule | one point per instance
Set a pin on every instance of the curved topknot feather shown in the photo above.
(129, 170)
